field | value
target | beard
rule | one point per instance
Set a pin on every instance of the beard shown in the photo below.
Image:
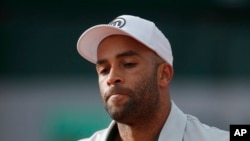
(141, 102)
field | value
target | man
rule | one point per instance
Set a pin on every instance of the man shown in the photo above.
(134, 64)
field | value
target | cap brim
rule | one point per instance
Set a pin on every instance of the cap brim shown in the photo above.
(89, 41)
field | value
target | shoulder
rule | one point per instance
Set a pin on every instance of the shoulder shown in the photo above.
(205, 132)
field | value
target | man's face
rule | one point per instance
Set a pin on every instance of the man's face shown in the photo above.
(127, 78)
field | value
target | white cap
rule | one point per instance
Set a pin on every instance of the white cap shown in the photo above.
(140, 29)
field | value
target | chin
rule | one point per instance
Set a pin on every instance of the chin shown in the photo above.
(121, 115)
(117, 113)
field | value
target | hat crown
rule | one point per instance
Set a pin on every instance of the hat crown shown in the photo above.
(138, 28)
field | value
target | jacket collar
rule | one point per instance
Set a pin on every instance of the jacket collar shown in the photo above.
(174, 127)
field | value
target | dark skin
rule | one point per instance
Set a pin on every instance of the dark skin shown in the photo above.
(134, 86)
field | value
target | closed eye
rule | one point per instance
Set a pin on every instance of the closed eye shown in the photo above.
(103, 70)
(129, 65)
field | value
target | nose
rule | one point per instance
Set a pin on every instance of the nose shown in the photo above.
(115, 77)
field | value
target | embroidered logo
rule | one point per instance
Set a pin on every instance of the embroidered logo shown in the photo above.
(118, 22)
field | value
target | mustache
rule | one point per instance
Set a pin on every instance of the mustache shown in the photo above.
(117, 90)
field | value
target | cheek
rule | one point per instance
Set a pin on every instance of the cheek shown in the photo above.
(101, 80)
(102, 86)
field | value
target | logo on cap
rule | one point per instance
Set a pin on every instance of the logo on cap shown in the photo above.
(118, 22)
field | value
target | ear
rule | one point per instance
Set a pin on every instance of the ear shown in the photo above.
(165, 73)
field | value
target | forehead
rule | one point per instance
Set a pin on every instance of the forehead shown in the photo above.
(116, 44)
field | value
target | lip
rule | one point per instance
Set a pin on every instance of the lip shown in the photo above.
(116, 98)
(114, 95)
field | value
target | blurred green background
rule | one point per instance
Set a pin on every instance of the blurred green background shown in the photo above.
(49, 93)
(208, 37)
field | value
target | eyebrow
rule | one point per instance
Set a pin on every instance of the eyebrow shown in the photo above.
(120, 55)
